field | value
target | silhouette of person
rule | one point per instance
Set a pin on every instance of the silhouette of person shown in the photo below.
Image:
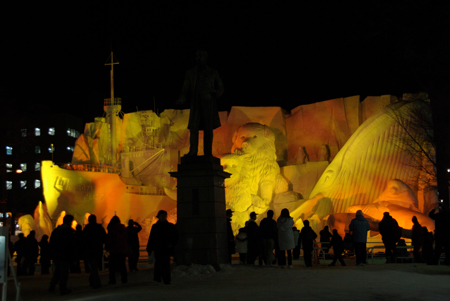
(325, 236)
(296, 251)
(117, 246)
(78, 249)
(307, 236)
(94, 236)
(133, 244)
(441, 216)
(61, 252)
(338, 247)
(285, 238)
(31, 253)
(44, 258)
(162, 240)
(19, 247)
(417, 239)
(241, 245)
(203, 86)
(359, 227)
(255, 242)
(269, 232)
(427, 247)
(389, 231)
(230, 236)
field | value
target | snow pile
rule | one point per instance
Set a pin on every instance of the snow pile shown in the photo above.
(226, 268)
(193, 270)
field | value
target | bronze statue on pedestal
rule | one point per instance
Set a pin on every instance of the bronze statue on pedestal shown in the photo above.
(203, 86)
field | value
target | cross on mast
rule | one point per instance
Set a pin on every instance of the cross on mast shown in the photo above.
(112, 63)
(112, 108)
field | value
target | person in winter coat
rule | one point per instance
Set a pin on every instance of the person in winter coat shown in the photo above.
(241, 245)
(325, 237)
(94, 236)
(285, 238)
(427, 247)
(296, 251)
(61, 252)
(269, 234)
(117, 246)
(255, 241)
(338, 247)
(31, 253)
(359, 227)
(162, 240)
(133, 244)
(307, 237)
(78, 251)
(230, 236)
(441, 216)
(389, 231)
(44, 259)
(417, 239)
(19, 247)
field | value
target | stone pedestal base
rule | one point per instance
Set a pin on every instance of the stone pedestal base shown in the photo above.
(201, 211)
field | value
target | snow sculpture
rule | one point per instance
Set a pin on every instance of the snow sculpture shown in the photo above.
(362, 169)
(364, 158)
(400, 201)
(42, 220)
(255, 174)
(26, 224)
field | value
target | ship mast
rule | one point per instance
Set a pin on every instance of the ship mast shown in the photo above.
(112, 108)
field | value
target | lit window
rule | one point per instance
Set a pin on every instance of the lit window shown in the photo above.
(9, 150)
(23, 166)
(37, 184)
(73, 133)
(70, 148)
(51, 131)
(8, 185)
(8, 170)
(37, 131)
(37, 149)
(8, 165)
(37, 166)
(24, 132)
(23, 184)
(51, 150)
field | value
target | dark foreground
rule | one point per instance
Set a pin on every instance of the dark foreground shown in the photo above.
(406, 281)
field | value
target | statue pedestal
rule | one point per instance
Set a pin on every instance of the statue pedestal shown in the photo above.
(201, 211)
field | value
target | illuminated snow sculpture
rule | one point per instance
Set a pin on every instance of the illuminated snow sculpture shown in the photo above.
(42, 220)
(361, 171)
(399, 200)
(26, 224)
(255, 175)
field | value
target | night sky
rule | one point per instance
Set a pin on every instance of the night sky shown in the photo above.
(267, 53)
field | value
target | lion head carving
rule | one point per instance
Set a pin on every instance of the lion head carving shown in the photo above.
(255, 172)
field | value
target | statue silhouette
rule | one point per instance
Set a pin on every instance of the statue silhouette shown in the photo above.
(202, 85)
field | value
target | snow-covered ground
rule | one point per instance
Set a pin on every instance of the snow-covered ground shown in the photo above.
(242, 282)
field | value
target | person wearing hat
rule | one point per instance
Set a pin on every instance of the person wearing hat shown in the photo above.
(359, 227)
(230, 236)
(255, 241)
(162, 240)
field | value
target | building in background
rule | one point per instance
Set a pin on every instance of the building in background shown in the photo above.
(26, 140)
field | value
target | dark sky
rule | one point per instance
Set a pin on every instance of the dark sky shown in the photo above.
(267, 53)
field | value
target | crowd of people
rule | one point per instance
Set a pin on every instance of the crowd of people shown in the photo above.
(94, 246)
(271, 243)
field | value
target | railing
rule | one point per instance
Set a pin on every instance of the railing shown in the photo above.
(107, 102)
(91, 167)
